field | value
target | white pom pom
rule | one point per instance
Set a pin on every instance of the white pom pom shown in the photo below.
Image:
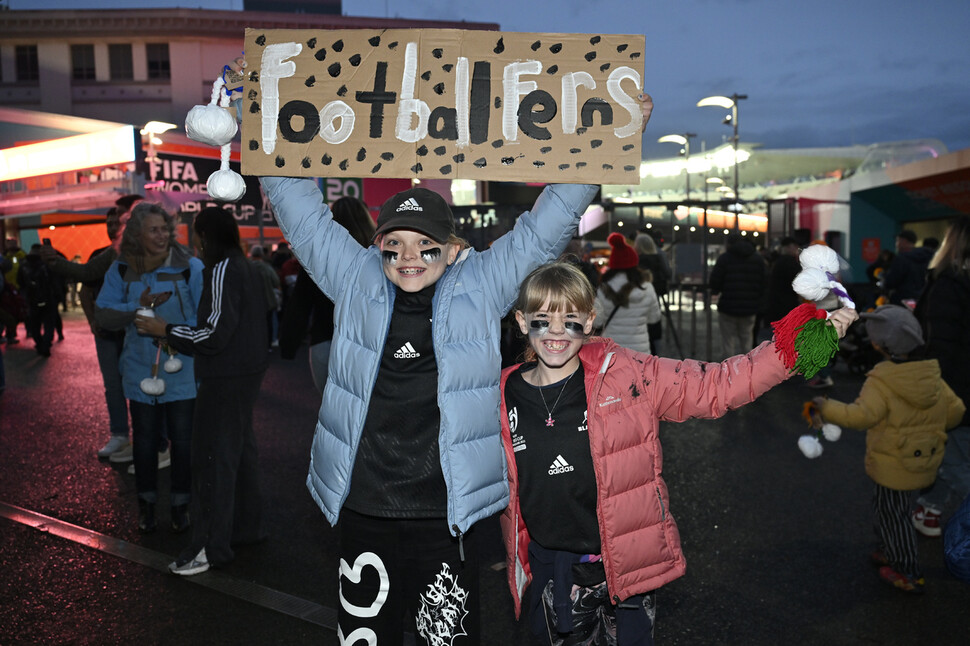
(226, 185)
(810, 446)
(818, 256)
(210, 124)
(173, 364)
(811, 284)
(831, 432)
(153, 386)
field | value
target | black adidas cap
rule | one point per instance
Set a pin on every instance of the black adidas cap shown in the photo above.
(417, 209)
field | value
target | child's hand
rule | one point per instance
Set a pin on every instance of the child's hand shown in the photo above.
(819, 402)
(646, 105)
(842, 318)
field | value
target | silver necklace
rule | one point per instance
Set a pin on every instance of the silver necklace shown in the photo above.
(549, 420)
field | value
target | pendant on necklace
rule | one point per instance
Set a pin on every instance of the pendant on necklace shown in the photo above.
(550, 421)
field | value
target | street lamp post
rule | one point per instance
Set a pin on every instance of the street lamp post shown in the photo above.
(682, 140)
(732, 119)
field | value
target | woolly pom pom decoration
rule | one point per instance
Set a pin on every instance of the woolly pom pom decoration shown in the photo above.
(226, 185)
(210, 124)
(172, 364)
(818, 256)
(831, 432)
(804, 340)
(820, 264)
(153, 386)
(810, 446)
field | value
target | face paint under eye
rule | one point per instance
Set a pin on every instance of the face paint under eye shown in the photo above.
(390, 257)
(538, 327)
(574, 329)
(431, 256)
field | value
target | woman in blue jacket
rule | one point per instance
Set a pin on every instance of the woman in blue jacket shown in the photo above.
(154, 272)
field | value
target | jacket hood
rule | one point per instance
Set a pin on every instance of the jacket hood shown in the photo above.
(741, 248)
(916, 382)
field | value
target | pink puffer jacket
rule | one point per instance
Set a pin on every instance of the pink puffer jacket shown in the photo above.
(627, 395)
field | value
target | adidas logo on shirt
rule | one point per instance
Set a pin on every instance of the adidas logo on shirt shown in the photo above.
(559, 465)
(406, 351)
(410, 204)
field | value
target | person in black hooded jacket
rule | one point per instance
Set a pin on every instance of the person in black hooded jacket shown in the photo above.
(740, 278)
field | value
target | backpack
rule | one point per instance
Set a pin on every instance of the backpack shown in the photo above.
(38, 284)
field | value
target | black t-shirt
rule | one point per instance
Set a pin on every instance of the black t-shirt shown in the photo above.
(397, 471)
(557, 485)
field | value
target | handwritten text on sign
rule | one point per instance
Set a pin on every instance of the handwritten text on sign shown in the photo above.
(443, 104)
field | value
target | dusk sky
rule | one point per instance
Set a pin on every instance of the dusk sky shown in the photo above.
(822, 73)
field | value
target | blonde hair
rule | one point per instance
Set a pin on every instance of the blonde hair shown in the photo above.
(644, 244)
(563, 284)
(954, 253)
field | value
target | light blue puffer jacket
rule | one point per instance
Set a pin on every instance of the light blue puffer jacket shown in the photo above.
(470, 300)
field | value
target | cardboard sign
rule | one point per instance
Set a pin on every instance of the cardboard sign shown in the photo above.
(443, 104)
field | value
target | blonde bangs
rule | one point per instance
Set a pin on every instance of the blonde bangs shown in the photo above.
(562, 284)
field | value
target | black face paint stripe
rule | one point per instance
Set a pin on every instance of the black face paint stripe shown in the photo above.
(431, 256)
(390, 257)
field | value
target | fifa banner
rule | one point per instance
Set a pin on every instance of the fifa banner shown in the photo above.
(443, 104)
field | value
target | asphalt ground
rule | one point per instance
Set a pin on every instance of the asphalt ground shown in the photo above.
(777, 545)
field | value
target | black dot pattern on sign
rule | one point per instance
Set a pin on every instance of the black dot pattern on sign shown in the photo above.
(361, 154)
(552, 69)
(596, 143)
(310, 80)
(545, 149)
(320, 54)
(312, 43)
(251, 95)
(498, 102)
(305, 162)
(445, 169)
(575, 150)
(355, 60)
(538, 163)
(563, 166)
(376, 168)
(581, 130)
(342, 91)
(499, 46)
(374, 41)
(447, 67)
(334, 70)
(253, 108)
(338, 46)
(635, 55)
(437, 52)
(594, 40)
(629, 167)
(422, 151)
(459, 158)
(261, 40)
(481, 162)
(440, 150)
(253, 77)
(628, 147)
(253, 144)
(536, 45)
(604, 67)
(439, 88)
(387, 156)
(580, 164)
(342, 165)
(621, 48)
(326, 160)
(280, 162)
(555, 49)
(426, 76)
(508, 161)
(498, 143)
(417, 168)
(607, 166)
(590, 56)
(392, 45)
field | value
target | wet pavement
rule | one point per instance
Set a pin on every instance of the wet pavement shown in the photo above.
(777, 545)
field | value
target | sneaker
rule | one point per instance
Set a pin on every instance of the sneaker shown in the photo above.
(926, 521)
(115, 444)
(190, 567)
(820, 382)
(164, 460)
(903, 582)
(122, 455)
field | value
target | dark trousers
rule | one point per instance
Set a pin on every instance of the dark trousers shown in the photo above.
(40, 325)
(227, 506)
(895, 530)
(149, 422)
(400, 576)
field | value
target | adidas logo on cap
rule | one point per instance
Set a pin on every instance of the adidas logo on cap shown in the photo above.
(559, 465)
(406, 351)
(409, 204)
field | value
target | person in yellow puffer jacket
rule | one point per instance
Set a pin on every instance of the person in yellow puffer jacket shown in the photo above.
(907, 408)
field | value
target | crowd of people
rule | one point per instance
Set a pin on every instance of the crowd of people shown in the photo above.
(405, 321)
